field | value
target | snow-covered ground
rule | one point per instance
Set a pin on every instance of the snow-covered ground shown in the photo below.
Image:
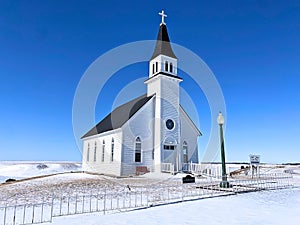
(266, 207)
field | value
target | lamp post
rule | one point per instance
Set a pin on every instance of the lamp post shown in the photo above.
(224, 183)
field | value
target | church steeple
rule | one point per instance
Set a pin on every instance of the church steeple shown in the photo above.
(163, 82)
(163, 60)
(163, 46)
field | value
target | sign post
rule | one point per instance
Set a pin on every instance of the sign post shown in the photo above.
(254, 164)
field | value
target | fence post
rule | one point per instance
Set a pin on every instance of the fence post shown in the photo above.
(104, 201)
(118, 201)
(23, 214)
(4, 222)
(124, 197)
(42, 213)
(111, 197)
(135, 200)
(182, 192)
(83, 203)
(91, 202)
(141, 196)
(14, 219)
(32, 214)
(60, 205)
(97, 209)
(147, 193)
(68, 211)
(52, 202)
(76, 203)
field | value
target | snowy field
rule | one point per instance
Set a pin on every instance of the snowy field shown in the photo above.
(264, 207)
(24, 169)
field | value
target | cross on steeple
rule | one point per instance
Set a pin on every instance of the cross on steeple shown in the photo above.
(163, 15)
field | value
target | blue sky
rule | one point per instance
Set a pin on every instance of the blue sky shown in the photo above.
(252, 47)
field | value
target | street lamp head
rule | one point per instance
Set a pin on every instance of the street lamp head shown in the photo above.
(220, 119)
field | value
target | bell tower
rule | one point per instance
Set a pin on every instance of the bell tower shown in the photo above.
(163, 82)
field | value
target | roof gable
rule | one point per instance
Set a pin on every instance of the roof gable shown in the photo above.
(191, 121)
(119, 116)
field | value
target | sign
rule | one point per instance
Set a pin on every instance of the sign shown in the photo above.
(254, 159)
(188, 179)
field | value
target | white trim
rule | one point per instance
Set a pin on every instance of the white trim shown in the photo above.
(115, 131)
(159, 75)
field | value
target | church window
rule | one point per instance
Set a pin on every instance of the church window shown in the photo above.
(88, 153)
(153, 68)
(95, 152)
(138, 150)
(170, 124)
(171, 67)
(112, 149)
(185, 152)
(166, 66)
(156, 66)
(169, 147)
(103, 151)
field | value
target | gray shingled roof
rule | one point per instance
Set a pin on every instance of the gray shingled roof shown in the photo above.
(163, 45)
(118, 117)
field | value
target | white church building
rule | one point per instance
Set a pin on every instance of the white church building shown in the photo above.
(151, 133)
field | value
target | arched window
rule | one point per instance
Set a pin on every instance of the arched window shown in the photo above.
(138, 150)
(88, 153)
(166, 66)
(156, 66)
(185, 152)
(95, 152)
(153, 68)
(103, 151)
(171, 67)
(112, 149)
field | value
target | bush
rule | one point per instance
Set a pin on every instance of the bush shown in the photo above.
(10, 180)
(42, 166)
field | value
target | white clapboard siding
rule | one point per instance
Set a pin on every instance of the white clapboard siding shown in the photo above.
(189, 133)
(140, 125)
(108, 166)
(170, 110)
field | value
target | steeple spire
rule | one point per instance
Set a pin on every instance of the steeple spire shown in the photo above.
(163, 46)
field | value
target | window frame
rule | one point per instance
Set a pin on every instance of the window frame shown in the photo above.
(103, 151)
(185, 152)
(138, 152)
(95, 152)
(171, 67)
(169, 147)
(166, 66)
(112, 149)
(153, 68)
(88, 153)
